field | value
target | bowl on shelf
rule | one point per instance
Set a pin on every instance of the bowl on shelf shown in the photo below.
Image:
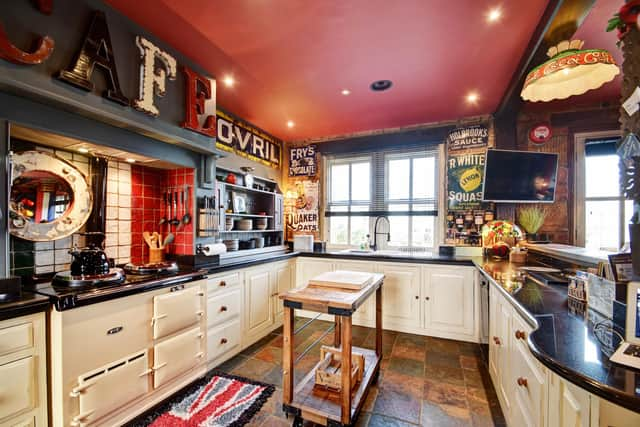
(260, 223)
(231, 244)
(259, 242)
(228, 221)
(244, 224)
(247, 244)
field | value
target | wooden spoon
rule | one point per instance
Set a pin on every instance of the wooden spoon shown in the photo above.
(147, 238)
(158, 239)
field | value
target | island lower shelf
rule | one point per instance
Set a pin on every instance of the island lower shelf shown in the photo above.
(321, 403)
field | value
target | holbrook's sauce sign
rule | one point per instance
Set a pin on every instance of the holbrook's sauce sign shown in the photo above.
(466, 149)
(157, 69)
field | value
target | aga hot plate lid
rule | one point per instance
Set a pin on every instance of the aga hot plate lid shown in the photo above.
(151, 268)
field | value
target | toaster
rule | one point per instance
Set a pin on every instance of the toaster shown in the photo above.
(303, 243)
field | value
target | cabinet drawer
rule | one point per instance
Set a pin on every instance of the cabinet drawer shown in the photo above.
(176, 355)
(223, 307)
(105, 389)
(222, 282)
(529, 386)
(17, 387)
(15, 338)
(176, 310)
(223, 340)
(27, 422)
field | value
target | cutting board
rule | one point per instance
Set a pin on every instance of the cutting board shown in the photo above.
(342, 279)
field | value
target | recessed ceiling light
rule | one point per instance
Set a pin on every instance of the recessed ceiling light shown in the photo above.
(380, 85)
(228, 81)
(494, 14)
(472, 98)
(345, 92)
(290, 124)
(130, 160)
(83, 150)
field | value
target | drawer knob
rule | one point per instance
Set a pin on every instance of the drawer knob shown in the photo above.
(522, 382)
(497, 341)
(417, 296)
(223, 283)
(426, 298)
(520, 334)
(223, 308)
(223, 341)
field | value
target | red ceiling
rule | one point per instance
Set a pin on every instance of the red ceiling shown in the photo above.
(291, 58)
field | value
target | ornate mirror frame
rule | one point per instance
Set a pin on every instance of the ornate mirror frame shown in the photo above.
(78, 212)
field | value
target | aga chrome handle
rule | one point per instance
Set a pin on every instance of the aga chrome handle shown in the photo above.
(520, 335)
(147, 372)
(200, 313)
(199, 355)
(155, 368)
(522, 382)
(78, 419)
(77, 391)
(497, 341)
(158, 317)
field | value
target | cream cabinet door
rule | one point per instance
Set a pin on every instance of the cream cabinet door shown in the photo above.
(17, 387)
(401, 294)
(177, 355)
(283, 276)
(177, 310)
(307, 269)
(569, 406)
(367, 311)
(500, 349)
(449, 300)
(258, 301)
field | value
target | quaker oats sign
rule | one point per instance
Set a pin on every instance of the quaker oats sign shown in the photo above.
(303, 160)
(302, 217)
(466, 148)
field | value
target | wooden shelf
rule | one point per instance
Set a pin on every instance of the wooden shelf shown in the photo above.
(248, 215)
(246, 189)
(325, 403)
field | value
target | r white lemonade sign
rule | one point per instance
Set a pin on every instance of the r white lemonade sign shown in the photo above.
(466, 149)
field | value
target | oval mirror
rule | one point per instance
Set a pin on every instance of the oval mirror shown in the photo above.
(50, 198)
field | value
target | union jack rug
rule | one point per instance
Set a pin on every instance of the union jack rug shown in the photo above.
(219, 400)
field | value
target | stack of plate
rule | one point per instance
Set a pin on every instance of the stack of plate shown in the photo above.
(244, 224)
(228, 223)
(231, 244)
(261, 223)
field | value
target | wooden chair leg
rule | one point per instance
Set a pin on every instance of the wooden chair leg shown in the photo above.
(337, 332)
(287, 356)
(346, 370)
(379, 322)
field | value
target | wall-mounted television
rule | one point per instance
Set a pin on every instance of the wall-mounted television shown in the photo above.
(520, 176)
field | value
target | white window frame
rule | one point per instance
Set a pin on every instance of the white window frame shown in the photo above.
(580, 199)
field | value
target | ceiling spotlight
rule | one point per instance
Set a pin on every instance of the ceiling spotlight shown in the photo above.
(472, 98)
(494, 14)
(228, 81)
(380, 85)
(345, 92)
(83, 150)
(130, 160)
(290, 124)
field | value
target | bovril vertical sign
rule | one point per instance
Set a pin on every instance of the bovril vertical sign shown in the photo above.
(239, 137)
(466, 149)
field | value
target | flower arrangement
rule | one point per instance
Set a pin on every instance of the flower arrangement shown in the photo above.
(500, 231)
(531, 218)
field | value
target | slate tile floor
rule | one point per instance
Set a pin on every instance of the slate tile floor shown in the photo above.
(424, 381)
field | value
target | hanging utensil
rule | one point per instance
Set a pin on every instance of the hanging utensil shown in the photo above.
(175, 221)
(186, 218)
(168, 240)
(163, 220)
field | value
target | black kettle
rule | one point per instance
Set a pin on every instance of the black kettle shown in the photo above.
(89, 261)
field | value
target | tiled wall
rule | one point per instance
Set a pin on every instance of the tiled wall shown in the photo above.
(118, 227)
(148, 207)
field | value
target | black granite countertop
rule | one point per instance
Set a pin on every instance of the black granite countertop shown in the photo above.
(28, 303)
(564, 339)
(392, 256)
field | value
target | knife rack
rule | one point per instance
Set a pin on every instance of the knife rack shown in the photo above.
(208, 217)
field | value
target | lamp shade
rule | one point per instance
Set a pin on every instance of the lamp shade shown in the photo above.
(570, 71)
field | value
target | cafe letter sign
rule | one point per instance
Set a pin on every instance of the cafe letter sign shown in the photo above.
(303, 160)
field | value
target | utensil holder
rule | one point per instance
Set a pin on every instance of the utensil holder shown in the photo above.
(156, 255)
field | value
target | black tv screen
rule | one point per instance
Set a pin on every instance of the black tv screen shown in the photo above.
(520, 176)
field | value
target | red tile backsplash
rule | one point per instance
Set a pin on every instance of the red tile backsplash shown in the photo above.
(147, 208)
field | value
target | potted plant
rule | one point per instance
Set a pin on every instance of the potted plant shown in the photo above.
(531, 219)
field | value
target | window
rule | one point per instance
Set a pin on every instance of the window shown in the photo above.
(400, 186)
(602, 223)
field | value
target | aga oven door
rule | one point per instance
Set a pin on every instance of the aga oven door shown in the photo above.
(177, 310)
(177, 355)
(105, 389)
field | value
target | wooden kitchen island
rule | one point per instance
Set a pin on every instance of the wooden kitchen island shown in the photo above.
(319, 404)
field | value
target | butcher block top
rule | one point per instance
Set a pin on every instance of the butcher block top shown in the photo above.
(330, 299)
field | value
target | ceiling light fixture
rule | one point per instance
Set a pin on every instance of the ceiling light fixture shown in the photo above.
(581, 71)
(83, 150)
(130, 160)
(345, 92)
(290, 124)
(380, 85)
(494, 15)
(472, 98)
(228, 81)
